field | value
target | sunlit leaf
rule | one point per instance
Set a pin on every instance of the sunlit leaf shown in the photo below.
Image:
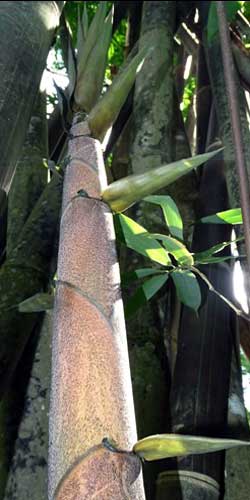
(145, 293)
(135, 238)
(174, 247)
(187, 288)
(171, 213)
(231, 216)
(177, 445)
(36, 303)
(188, 94)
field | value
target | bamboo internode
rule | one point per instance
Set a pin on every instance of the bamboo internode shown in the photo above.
(91, 384)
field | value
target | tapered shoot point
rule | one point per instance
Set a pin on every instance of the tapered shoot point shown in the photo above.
(103, 115)
(91, 37)
(121, 194)
(90, 75)
(176, 445)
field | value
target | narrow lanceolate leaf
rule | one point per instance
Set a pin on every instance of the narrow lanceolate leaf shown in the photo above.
(177, 445)
(216, 260)
(171, 213)
(134, 236)
(232, 216)
(145, 293)
(187, 288)
(139, 274)
(103, 115)
(36, 303)
(175, 248)
(202, 257)
(121, 194)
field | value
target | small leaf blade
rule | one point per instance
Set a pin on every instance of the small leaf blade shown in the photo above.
(143, 294)
(231, 216)
(174, 247)
(209, 253)
(215, 260)
(171, 214)
(187, 288)
(134, 238)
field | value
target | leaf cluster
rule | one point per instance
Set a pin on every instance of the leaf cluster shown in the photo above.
(170, 256)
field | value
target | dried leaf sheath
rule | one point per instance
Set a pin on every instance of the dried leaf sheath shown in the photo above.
(91, 386)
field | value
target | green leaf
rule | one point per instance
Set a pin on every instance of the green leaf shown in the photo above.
(36, 303)
(231, 216)
(171, 214)
(178, 445)
(188, 94)
(212, 24)
(174, 247)
(139, 274)
(135, 238)
(206, 254)
(125, 192)
(187, 288)
(144, 294)
(215, 260)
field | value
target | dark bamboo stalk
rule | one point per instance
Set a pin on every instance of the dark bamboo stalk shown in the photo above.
(229, 73)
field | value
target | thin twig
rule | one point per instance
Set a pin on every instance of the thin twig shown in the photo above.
(238, 311)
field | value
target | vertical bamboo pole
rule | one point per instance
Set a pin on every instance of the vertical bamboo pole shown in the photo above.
(233, 101)
(91, 386)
